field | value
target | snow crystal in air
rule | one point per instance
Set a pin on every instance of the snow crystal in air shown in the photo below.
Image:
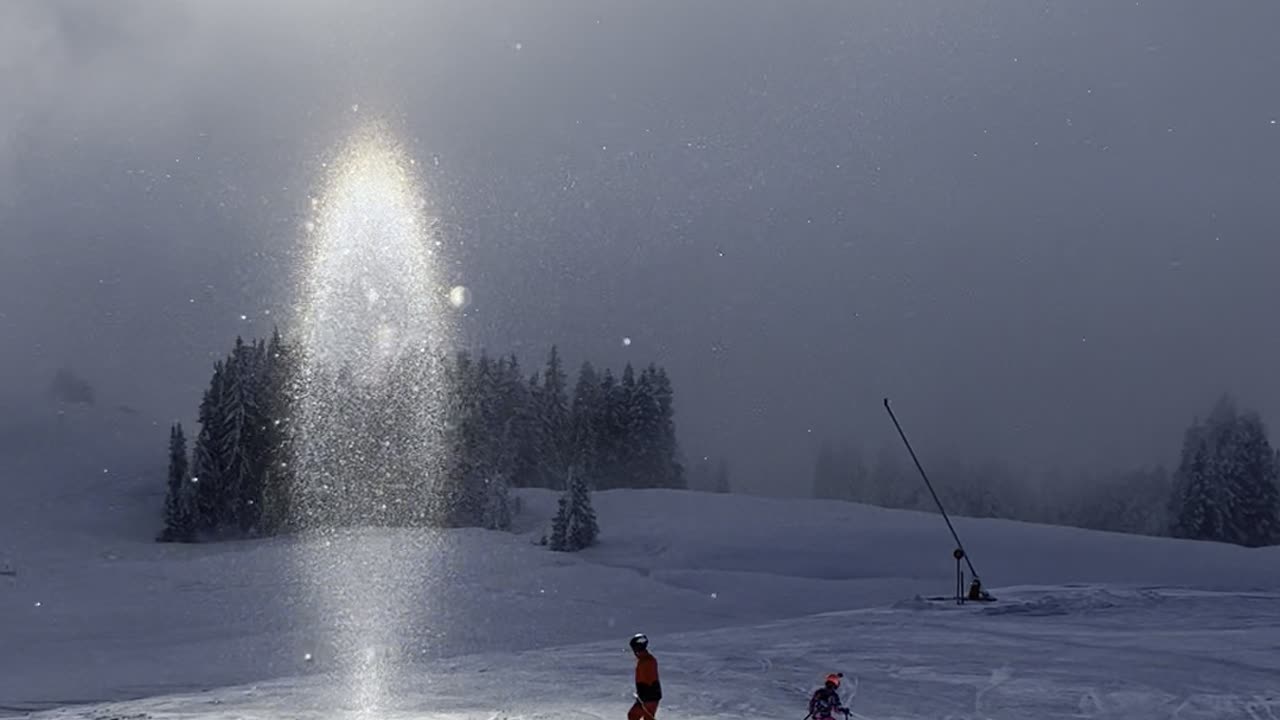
(459, 296)
(626, 342)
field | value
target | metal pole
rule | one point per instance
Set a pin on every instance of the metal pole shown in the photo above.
(929, 485)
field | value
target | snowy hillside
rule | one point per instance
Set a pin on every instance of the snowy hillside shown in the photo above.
(727, 585)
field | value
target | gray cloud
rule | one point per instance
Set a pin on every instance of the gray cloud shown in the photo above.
(1047, 230)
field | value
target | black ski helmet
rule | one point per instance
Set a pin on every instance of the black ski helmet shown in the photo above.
(639, 642)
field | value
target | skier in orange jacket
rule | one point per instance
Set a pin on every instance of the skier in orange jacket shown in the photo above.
(648, 687)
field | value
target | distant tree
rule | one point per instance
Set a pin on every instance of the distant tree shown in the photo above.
(461, 493)
(208, 462)
(982, 489)
(1225, 487)
(67, 387)
(625, 426)
(720, 481)
(558, 540)
(892, 485)
(826, 473)
(839, 474)
(1131, 502)
(701, 475)
(611, 433)
(646, 461)
(522, 396)
(553, 414)
(179, 519)
(574, 526)
(241, 436)
(497, 511)
(280, 374)
(583, 528)
(585, 414)
(494, 429)
(668, 449)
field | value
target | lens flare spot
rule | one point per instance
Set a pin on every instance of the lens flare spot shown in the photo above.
(459, 297)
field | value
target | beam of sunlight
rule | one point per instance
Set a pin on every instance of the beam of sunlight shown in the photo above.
(374, 318)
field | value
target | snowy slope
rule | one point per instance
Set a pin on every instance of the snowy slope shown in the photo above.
(107, 617)
(1084, 652)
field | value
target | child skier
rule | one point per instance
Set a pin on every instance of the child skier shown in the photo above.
(825, 702)
(648, 687)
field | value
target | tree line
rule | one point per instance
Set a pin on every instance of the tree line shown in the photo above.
(1224, 488)
(434, 441)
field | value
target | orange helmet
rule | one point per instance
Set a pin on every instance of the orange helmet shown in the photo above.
(834, 679)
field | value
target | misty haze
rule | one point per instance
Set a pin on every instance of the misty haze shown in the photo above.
(437, 338)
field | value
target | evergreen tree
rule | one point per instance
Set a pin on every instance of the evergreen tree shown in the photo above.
(559, 541)
(585, 416)
(892, 485)
(208, 462)
(531, 444)
(240, 437)
(553, 414)
(582, 529)
(497, 511)
(720, 481)
(610, 427)
(574, 526)
(517, 402)
(1226, 481)
(626, 441)
(702, 475)
(648, 462)
(277, 441)
(1253, 466)
(179, 521)
(1132, 502)
(461, 495)
(839, 474)
(670, 468)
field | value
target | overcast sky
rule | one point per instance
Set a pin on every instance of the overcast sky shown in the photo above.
(1048, 230)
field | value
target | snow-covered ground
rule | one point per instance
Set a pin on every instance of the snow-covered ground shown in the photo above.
(749, 601)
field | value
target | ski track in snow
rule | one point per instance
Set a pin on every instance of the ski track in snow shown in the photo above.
(746, 618)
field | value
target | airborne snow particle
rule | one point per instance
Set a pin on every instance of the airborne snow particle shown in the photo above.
(307, 657)
(626, 342)
(459, 296)
(244, 317)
